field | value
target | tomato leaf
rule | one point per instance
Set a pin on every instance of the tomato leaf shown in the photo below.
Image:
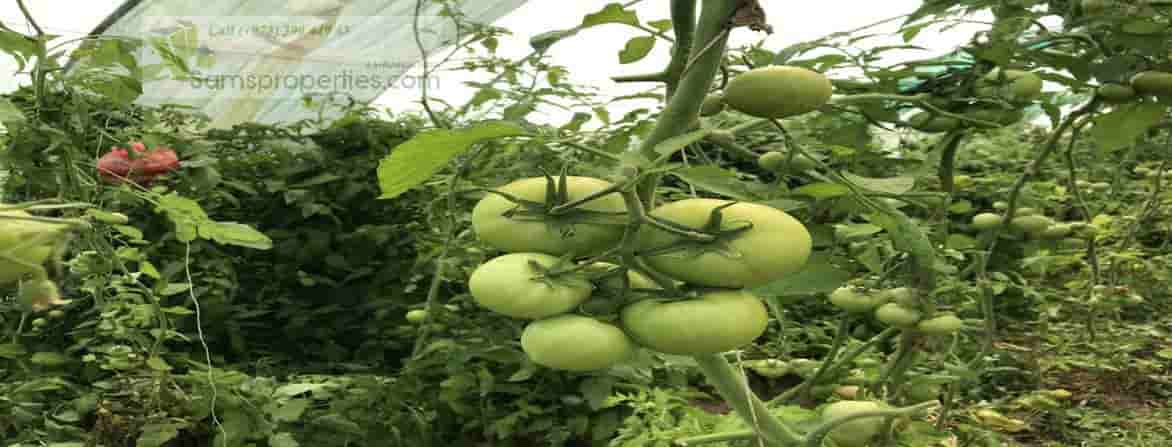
(9, 113)
(821, 191)
(678, 142)
(156, 435)
(721, 181)
(1120, 128)
(611, 13)
(818, 276)
(414, 161)
(892, 185)
(636, 49)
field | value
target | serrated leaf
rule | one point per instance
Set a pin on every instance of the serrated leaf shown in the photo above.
(1121, 127)
(636, 49)
(678, 142)
(543, 41)
(9, 113)
(291, 411)
(156, 435)
(891, 185)
(12, 351)
(232, 233)
(414, 161)
(283, 439)
(721, 181)
(611, 13)
(822, 190)
(49, 359)
(818, 276)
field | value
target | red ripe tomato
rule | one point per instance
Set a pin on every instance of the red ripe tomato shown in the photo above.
(117, 166)
(114, 166)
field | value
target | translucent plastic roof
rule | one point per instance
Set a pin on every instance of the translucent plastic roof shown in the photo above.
(256, 60)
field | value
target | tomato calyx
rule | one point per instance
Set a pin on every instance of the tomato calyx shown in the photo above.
(713, 237)
(557, 210)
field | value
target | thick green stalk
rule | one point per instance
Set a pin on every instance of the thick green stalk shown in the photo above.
(732, 386)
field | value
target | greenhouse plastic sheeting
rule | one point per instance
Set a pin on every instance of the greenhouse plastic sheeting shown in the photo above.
(255, 61)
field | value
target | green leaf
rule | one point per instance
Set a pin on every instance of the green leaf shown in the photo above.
(543, 41)
(291, 411)
(611, 13)
(158, 364)
(822, 191)
(12, 351)
(636, 49)
(721, 181)
(414, 161)
(596, 391)
(49, 359)
(283, 439)
(818, 276)
(172, 289)
(892, 185)
(9, 113)
(673, 144)
(232, 233)
(155, 435)
(661, 25)
(1121, 127)
(852, 232)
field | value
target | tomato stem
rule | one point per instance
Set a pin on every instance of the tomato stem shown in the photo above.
(735, 389)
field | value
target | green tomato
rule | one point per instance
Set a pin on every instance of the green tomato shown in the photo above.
(962, 181)
(1001, 205)
(1028, 212)
(903, 296)
(852, 300)
(986, 221)
(416, 316)
(922, 391)
(932, 123)
(39, 295)
(717, 321)
(575, 343)
(510, 285)
(713, 104)
(1015, 85)
(591, 228)
(1057, 231)
(1116, 93)
(775, 246)
(778, 91)
(1155, 83)
(775, 161)
(856, 433)
(892, 314)
(940, 325)
(1032, 224)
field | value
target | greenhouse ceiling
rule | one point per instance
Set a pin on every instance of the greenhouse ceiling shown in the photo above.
(255, 60)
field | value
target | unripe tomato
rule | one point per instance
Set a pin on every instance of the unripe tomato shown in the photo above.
(903, 296)
(1155, 83)
(962, 181)
(932, 123)
(713, 104)
(510, 285)
(1116, 93)
(852, 300)
(556, 235)
(893, 314)
(848, 392)
(856, 433)
(1001, 205)
(722, 137)
(40, 323)
(986, 221)
(775, 246)
(39, 294)
(1014, 86)
(56, 314)
(776, 162)
(575, 343)
(1031, 224)
(922, 391)
(1028, 212)
(717, 321)
(416, 316)
(778, 91)
(1057, 231)
(940, 325)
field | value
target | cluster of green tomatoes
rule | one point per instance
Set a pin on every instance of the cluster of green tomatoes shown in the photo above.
(594, 290)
